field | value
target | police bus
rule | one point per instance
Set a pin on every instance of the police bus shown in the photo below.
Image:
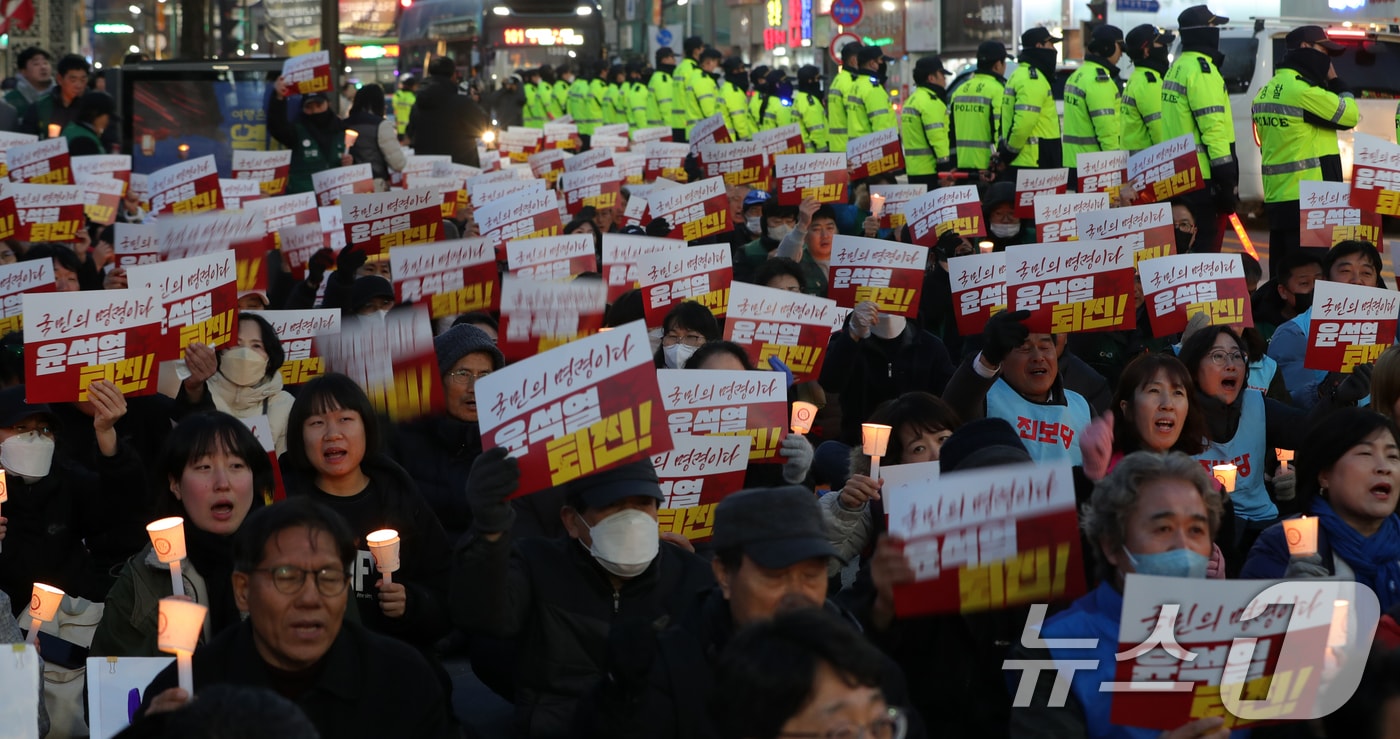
(526, 34)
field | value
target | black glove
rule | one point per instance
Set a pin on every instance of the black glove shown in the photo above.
(1344, 390)
(947, 245)
(318, 264)
(658, 227)
(349, 262)
(1004, 332)
(1225, 178)
(1006, 155)
(494, 476)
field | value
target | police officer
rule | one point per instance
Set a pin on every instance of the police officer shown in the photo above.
(807, 102)
(837, 97)
(734, 100)
(976, 112)
(533, 113)
(758, 76)
(924, 125)
(1091, 99)
(563, 84)
(553, 108)
(1195, 101)
(1030, 126)
(1297, 115)
(868, 104)
(776, 105)
(701, 89)
(403, 102)
(586, 114)
(693, 46)
(642, 109)
(663, 88)
(1141, 109)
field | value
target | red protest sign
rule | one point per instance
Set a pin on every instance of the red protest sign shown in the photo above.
(136, 243)
(875, 153)
(594, 157)
(665, 159)
(186, 188)
(117, 166)
(299, 243)
(896, 197)
(1084, 285)
(538, 315)
(776, 323)
(522, 217)
(1326, 217)
(728, 403)
(454, 194)
(801, 176)
(1351, 325)
(957, 208)
(695, 476)
(101, 196)
(251, 258)
(237, 193)
(694, 211)
(1148, 228)
(589, 406)
(1375, 175)
(708, 131)
(622, 252)
(1165, 171)
(1102, 171)
(887, 273)
(454, 277)
(616, 142)
(200, 296)
(631, 168)
(206, 233)
(267, 168)
(308, 73)
(596, 188)
(699, 273)
(1179, 286)
(978, 283)
(41, 162)
(492, 187)
(552, 257)
(742, 163)
(379, 221)
(1055, 214)
(1034, 183)
(75, 339)
(422, 165)
(559, 135)
(333, 184)
(285, 211)
(635, 212)
(648, 135)
(7, 140)
(548, 165)
(33, 276)
(782, 140)
(982, 540)
(518, 142)
(47, 212)
(393, 360)
(297, 330)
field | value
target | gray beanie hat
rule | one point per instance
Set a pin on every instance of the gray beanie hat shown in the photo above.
(459, 341)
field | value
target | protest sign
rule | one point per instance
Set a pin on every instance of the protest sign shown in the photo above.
(297, 330)
(44, 162)
(331, 184)
(1056, 215)
(588, 406)
(1102, 171)
(1035, 183)
(305, 74)
(594, 157)
(489, 189)
(375, 222)
(102, 165)
(21, 672)
(699, 273)
(454, 277)
(875, 153)
(665, 159)
(631, 168)
(740, 163)
(978, 283)
(459, 172)
(101, 198)
(140, 189)
(1084, 285)
(552, 257)
(1147, 227)
(115, 687)
(135, 243)
(1166, 170)
(1179, 286)
(237, 194)
(454, 194)
(695, 475)
(393, 360)
(1375, 175)
(525, 216)
(896, 197)
(299, 243)
(32, 276)
(984, 539)
(200, 297)
(538, 315)
(519, 142)
(797, 177)
(887, 273)
(285, 211)
(728, 402)
(332, 227)
(267, 168)
(776, 323)
(422, 165)
(782, 140)
(9, 139)
(561, 135)
(206, 233)
(693, 211)
(1351, 325)
(621, 254)
(635, 212)
(710, 130)
(957, 208)
(647, 135)
(74, 339)
(251, 259)
(548, 165)
(186, 188)
(616, 143)
(1326, 217)
(596, 188)
(46, 212)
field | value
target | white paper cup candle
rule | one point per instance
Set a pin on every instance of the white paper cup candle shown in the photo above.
(350, 136)
(1284, 457)
(384, 545)
(875, 438)
(1301, 534)
(168, 539)
(4, 496)
(877, 205)
(177, 632)
(986, 247)
(43, 606)
(1340, 630)
(55, 130)
(803, 414)
(1225, 473)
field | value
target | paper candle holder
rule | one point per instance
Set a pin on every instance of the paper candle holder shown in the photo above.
(986, 247)
(178, 625)
(1225, 474)
(44, 602)
(875, 438)
(1284, 455)
(168, 538)
(1301, 535)
(877, 205)
(384, 545)
(55, 130)
(1338, 634)
(803, 414)
(4, 488)
(350, 136)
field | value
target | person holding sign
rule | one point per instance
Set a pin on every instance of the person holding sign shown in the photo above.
(316, 137)
(217, 473)
(244, 381)
(1155, 514)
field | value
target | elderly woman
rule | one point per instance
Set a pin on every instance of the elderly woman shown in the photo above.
(1154, 514)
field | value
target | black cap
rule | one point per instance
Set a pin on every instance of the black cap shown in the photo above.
(870, 54)
(14, 409)
(1000, 192)
(711, 52)
(775, 527)
(927, 66)
(757, 74)
(850, 49)
(602, 489)
(733, 63)
(692, 43)
(986, 442)
(808, 72)
(314, 97)
(1107, 34)
(991, 51)
(1198, 16)
(368, 287)
(1138, 42)
(1311, 35)
(665, 52)
(1038, 35)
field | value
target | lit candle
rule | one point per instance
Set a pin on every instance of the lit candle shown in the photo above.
(1225, 473)
(1337, 635)
(43, 606)
(1284, 457)
(168, 539)
(148, 144)
(350, 136)
(55, 130)
(1301, 534)
(4, 496)
(803, 413)
(877, 204)
(184, 150)
(875, 438)
(986, 246)
(178, 632)
(384, 545)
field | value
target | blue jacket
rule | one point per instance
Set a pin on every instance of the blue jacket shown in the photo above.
(1287, 347)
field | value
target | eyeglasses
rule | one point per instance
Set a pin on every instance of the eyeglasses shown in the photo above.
(466, 377)
(1221, 358)
(289, 580)
(892, 725)
(688, 340)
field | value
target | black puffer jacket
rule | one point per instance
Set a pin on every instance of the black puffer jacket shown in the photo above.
(444, 121)
(438, 452)
(868, 372)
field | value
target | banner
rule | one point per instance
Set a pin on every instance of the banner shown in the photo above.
(700, 273)
(308, 73)
(887, 273)
(455, 277)
(1084, 285)
(589, 406)
(186, 188)
(800, 176)
(1375, 175)
(47, 212)
(665, 159)
(297, 330)
(393, 360)
(958, 208)
(43, 162)
(237, 194)
(978, 283)
(1148, 228)
(783, 140)
(1032, 184)
(896, 197)
(74, 339)
(1179, 286)
(1165, 171)
(875, 153)
(708, 131)
(553, 258)
(267, 168)
(331, 184)
(1102, 171)
(521, 217)
(136, 243)
(621, 253)
(1351, 325)
(538, 315)
(379, 221)
(981, 540)
(597, 188)
(693, 211)
(695, 476)
(117, 166)
(200, 296)
(776, 323)
(101, 198)
(1055, 215)
(741, 163)
(728, 403)
(32, 276)
(1326, 218)
(207, 233)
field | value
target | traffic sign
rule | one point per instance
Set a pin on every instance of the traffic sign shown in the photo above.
(847, 12)
(1137, 6)
(664, 37)
(836, 43)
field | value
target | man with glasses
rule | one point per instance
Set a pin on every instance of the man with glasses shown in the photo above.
(291, 577)
(60, 105)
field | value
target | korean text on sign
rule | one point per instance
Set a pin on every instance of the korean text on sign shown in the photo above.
(978, 284)
(1178, 287)
(537, 315)
(75, 339)
(822, 177)
(887, 273)
(200, 297)
(454, 277)
(1375, 175)
(793, 327)
(1165, 171)
(298, 330)
(1327, 218)
(621, 253)
(948, 208)
(1148, 228)
(1035, 183)
(693, 211)
(695, 476)
(1084, 285)
(728, 402)
(699, 273)
(1351, 325)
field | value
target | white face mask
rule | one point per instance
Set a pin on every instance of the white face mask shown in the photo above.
(626, 542)
(28, 455)
(753, 223)
(778, 233)
(1005, 230)
(242, 366)
(677, 355)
